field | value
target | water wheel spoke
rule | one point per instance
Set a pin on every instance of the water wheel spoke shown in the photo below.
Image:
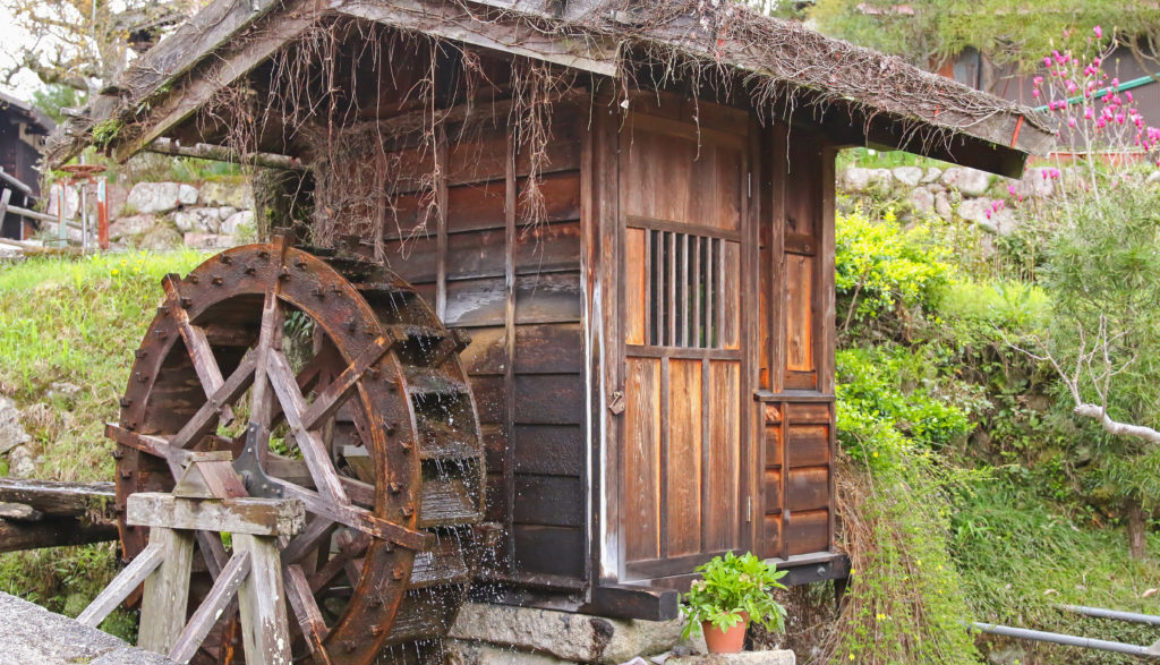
(269, 339)
(231, 390)
(297, 472)
(333, 396)
(314, 451)
(307, 540)
(152, 445)
(306, 611)
(358, 518)
(196, 343)
(312, 373)
(351, 546)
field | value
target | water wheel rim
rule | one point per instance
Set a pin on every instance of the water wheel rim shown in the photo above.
(300, 279)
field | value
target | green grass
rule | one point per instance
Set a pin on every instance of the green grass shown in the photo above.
(1019, 554)
(76, 321)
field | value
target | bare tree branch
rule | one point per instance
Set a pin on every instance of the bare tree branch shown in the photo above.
(1099, 376)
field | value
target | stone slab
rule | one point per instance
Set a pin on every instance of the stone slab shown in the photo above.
(771, 657)
(12, 432)
(572, 637)
(460, 652)
(31, 634)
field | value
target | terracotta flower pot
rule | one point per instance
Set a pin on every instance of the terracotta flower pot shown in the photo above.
(730, 640)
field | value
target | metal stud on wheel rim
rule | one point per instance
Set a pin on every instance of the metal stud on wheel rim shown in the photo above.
(353, 394)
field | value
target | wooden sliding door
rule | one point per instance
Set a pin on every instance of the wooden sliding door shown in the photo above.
(682, 200)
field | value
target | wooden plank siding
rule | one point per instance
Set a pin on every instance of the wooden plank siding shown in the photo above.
(517, 292)
(683, 268)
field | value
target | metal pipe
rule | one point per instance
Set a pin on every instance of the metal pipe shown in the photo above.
(1126, 85)
(32, 214)
(1068, 640)
(1101, 613)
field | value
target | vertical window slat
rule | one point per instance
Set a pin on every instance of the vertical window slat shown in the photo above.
(671, 339)
(719, 314)
(697, 339)
(683, 335)
(650, 290)
(685, 292)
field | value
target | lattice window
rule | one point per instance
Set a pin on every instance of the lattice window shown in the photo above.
(685, 286)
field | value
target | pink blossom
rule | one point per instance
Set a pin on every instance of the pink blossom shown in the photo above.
(1047, 61)
(1099, 32)
(1087, 113)
(1071, 122)
(1128, 96)
(1038, 80)
(1035, 94)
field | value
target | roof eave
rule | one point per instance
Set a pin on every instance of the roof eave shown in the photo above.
(1000, 143)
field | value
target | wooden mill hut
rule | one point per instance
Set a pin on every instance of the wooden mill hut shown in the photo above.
(629, 206)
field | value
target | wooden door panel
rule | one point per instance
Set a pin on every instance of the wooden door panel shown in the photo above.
(724, 470)
(683, 458)
(799, 313)
(809, 445)
(641, 477)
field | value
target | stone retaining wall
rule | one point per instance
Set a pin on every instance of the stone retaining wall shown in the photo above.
(954, 192)
(164, 215)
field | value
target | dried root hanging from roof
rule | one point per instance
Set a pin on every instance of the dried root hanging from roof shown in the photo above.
(535, 87)
(380, 110)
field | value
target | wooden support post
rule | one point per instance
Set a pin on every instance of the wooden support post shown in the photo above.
(166, 591)
(254, 573)
(123, 585)
(261, 601)
(211, 608)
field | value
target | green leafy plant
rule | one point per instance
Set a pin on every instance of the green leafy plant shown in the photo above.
(730, 585)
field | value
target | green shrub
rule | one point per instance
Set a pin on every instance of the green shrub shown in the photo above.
(889, 403)
(886, 272)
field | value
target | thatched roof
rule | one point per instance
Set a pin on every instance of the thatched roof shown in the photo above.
(26, 112)
(783, 66)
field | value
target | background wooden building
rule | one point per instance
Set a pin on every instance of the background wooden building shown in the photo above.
(22, 133)
(630, 209)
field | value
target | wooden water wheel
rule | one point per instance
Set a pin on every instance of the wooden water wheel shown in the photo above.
(331, 381)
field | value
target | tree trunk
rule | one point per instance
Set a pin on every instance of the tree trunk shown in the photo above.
(1137, 530)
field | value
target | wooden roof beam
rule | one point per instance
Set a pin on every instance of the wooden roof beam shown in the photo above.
(225, 69)
(450, 21)
(220, 153)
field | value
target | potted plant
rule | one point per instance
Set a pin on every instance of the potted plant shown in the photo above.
(732, 592)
